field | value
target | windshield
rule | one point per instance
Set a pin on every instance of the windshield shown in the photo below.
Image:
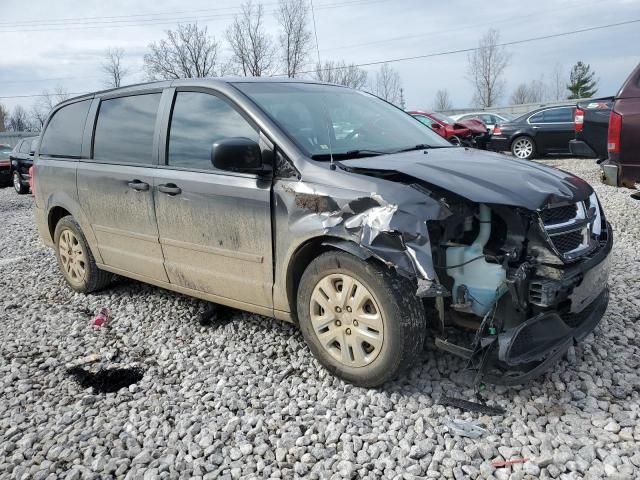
(324, 119)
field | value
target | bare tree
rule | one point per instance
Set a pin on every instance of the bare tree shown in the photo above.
(442, 101)
(4, 117)
(342, 74)
(558, 89)
(520, 95)
(295, 36)
(253, 49)
(48, 100)
(18, 120)
(112, 67)
(387, 84)
(188, 52)
(533, 92)
(485, 69)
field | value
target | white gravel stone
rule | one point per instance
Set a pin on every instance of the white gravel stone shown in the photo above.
(213, 401)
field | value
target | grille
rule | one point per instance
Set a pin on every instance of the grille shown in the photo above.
(554, 216)
(566, 242)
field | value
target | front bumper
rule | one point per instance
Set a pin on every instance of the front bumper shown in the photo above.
(523, 352)
(5, 173)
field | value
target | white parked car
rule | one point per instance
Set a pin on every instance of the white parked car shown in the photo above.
(489, 119)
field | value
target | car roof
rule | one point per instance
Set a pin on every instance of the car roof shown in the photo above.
(195, 82)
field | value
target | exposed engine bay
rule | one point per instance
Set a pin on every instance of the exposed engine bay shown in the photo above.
(528, 284)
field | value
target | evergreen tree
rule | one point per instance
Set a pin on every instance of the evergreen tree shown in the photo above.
(582, 84)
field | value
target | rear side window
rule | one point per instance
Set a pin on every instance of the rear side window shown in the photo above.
(63, 136)
(125, 129)
(537, 118)
(198, 120)
(24, 148)
(558, 115)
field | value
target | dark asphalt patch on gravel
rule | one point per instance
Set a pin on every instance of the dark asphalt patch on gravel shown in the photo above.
(106, 380)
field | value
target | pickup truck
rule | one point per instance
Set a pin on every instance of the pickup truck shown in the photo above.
(608, 129)
(591, 124)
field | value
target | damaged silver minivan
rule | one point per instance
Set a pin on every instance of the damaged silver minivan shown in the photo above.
(327, 207)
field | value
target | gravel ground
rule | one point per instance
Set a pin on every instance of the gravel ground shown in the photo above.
(245, 399)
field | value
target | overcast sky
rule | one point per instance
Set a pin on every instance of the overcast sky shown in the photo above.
(38, 53)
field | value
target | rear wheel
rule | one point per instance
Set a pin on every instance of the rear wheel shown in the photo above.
(75, 259)
(524, 148)
(362, 322)
(455, 140)
(17, 183)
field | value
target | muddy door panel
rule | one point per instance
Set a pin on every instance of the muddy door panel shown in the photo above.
(118, 200)
(215, 232)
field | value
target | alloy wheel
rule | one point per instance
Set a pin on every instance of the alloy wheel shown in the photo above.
(17, 184)
(72, 257)
(347, 320)
(523, 148)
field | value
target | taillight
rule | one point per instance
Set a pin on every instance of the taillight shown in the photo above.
(497, 130)
(579, 120)
(613, 136)
(32, 179)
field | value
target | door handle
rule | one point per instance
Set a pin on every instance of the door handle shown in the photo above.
(169, 189)
(138, 185)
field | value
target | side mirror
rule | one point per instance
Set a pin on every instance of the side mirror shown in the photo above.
(237, 154)
(435, 125)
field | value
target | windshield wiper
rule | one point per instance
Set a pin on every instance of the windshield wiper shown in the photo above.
(420, 146)
(348, 154)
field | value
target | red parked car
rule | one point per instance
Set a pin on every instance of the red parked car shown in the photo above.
(471, 132)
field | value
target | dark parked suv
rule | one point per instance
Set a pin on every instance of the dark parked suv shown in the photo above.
(21, 161)
(241, 193)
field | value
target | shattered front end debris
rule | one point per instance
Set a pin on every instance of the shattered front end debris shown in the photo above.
(510, 285)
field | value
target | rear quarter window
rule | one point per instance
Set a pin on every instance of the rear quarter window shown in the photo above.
(558, 115)
(63, 135)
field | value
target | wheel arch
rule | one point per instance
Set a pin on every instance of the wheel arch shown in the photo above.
(522, 133)
(58, 209)
(307, 252)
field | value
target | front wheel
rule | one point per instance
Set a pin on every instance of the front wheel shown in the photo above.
(362, 322)
(17, 183)
(523, 148)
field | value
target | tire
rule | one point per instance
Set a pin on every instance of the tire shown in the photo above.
(17, 183)
(397, 337)
(455, 140)
(82, 274)
(523, 147)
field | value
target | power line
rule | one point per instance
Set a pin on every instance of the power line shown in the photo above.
(493, 22)
(466, 50)
(315, 30)
(417, 57)
(97, 24)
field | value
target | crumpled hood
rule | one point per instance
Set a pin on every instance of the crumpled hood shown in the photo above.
(481, 177)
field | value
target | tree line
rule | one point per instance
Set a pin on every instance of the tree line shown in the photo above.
(486, 68)
(189, 51)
